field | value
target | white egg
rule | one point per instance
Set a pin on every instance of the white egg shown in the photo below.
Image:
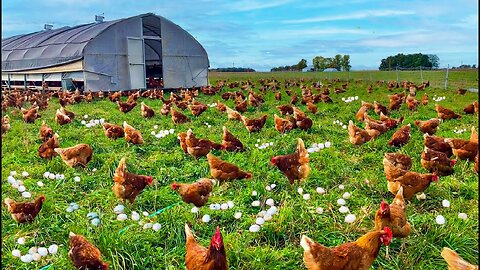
(16, 253)
(69, 209)
(462, 216)
(254, 228)
(171, 131)
(212, 206)
(206, 218)
(421, 196)
(218, 206)
(95, 221)
(85, 116)
(96, 121)
(83, 122)
(37, 257)
(256, 145)
(341, 187)
(194, 210)
(341, 201)
(440, 220)
(26, 258)
(271, 211)
(350, 218)
(119, 209)
(343, 209)
(13, 173)
(51, 176)
(15, 185)
(26, 194)
(328, 144)
(53, 249)
(300, 190)
(147, 226)
(46, 174)
(224, 206)
(356, 97)
(11, 180)
(57, 176)
(445, 203)
(62, 176)
(320, 190)
(267, 217)
(310, 150)
(256, 203)
(230, 204)
(335, 121)
(344, 126)
(254, 193)
(156, 227)
(74, 206)
(261, 213)
(153, 133)
(159, 136)
(260, 221)
(306, 196)
(42, 251)
(258, 140)
(145, 213)
(319, 210)
(155, 127)
(270, 202)
(89, 125)
(32, 250)
(135, 216)
(102, 120)
(122, 217)
(25, 174)
(321, 145)
(273, 186)
(94, 169)
(268, 188)
(237, 215)
(21, 188)
(21, 240)
(346, 195)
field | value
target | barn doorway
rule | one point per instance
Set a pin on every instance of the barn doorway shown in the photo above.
(152, 37)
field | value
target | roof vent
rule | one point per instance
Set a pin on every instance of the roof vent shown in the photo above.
(47, 27)
(99, 18)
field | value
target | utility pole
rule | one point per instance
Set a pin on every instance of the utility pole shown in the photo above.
(446, 77)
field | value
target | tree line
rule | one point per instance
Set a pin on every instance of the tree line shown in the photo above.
(232, 69)
(411, 61)
(320, 63)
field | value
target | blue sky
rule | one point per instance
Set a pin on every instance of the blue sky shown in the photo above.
(264, 34)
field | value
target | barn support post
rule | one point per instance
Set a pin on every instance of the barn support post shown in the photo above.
(25, 81)
(9, 82)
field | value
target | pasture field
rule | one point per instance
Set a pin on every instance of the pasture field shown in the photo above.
(277, 244)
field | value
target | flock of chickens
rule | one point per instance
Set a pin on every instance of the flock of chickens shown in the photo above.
(390, 219)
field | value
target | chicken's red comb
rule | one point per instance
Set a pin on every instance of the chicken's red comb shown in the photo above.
(453, 162)
(249, 175)
(388, 231)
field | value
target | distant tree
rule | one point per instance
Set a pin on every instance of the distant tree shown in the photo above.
(320, 63)
(346, 63)
(301, 65)
(337, 62)
(433, 58)
(411, 61)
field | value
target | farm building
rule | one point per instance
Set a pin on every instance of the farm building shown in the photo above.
(105, 55)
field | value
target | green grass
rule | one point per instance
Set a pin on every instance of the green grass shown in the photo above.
(276, 246)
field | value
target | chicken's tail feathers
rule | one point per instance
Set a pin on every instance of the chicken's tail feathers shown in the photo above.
(454, 261)
(188, 232)
(8, 201)
(306, 242)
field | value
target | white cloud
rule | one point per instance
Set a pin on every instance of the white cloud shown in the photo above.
(354, 16)
(249, 5)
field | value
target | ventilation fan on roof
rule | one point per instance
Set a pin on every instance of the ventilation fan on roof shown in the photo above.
(47, 27)
(99, 18)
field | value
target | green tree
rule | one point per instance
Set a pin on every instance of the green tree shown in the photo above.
(337, 62)
(301, 65)
(346, 63)
(320, 63)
